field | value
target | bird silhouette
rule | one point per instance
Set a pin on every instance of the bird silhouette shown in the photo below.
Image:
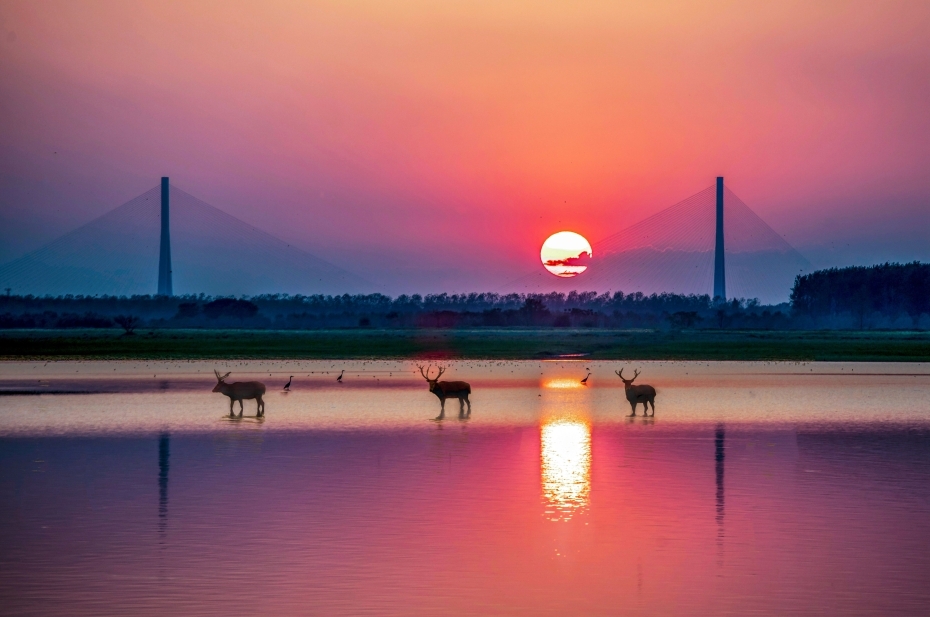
(287, 386)
(585, 380)
(339, 379)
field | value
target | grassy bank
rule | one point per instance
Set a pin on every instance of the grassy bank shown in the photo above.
(502, 344)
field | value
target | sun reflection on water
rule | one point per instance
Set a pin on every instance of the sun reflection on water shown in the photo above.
(565, 466)
(562, 384)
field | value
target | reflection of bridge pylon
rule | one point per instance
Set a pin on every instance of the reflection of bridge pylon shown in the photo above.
(687, 249)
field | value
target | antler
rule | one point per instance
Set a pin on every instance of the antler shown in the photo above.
(217, 373)
(635, 374)
(428, 369)
(619, 373)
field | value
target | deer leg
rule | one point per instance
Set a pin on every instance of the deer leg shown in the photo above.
(231, 402)
(241, 407)
(633, 405)
(469, 406)
(260, 407)
(442, 409)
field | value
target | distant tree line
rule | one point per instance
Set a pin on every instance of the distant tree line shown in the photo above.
(864, 295)
(475, 310)
(887, 296)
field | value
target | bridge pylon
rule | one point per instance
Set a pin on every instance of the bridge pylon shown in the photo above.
(164, 257)
(720, 275)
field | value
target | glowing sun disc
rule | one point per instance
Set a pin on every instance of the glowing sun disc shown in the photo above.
(566, 254)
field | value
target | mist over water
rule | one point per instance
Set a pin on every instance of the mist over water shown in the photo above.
(756, 489)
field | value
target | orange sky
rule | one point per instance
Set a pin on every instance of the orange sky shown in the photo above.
(449, 139)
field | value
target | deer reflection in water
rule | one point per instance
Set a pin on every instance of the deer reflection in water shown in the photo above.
(448, 389)
(240, 390)
(638, 394)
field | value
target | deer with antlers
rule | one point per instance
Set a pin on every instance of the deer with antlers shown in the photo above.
(240, 390)
(638, 394)
(448, 389)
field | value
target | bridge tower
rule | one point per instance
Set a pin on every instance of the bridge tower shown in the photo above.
(164, 257)
(720, 276)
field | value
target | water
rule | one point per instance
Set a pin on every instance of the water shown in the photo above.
(764, 489)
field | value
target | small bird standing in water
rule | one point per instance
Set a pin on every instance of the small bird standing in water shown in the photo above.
(584, 381)
(287, 386)
(339, 379)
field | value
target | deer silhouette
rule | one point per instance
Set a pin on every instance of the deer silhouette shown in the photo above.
(448, 389)
(240, 390)
(638, 394)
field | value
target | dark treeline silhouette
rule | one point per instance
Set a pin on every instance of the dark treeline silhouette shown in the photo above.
(282, 311)
(888, 296)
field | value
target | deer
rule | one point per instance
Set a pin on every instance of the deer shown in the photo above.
(240, 390)
(638, 394)
(448, 389)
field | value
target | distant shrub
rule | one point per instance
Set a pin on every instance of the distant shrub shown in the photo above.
(87, 320)
(187, 310)
(230, 307)
(684, 319)
(562, 321)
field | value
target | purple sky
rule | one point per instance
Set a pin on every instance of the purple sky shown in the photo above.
(434, 146)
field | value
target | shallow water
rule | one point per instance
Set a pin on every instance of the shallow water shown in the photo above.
(757, 489)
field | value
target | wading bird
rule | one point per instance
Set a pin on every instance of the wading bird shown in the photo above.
(584, 381)
(448, 389)
(339, 379)
(638, 394)
(240, 390)
(287, 386)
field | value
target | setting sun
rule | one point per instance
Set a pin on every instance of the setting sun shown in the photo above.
(566, 254)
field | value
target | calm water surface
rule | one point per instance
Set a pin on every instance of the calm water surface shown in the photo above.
(757, 489)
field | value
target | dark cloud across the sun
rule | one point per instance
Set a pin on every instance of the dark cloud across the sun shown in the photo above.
(583, 260)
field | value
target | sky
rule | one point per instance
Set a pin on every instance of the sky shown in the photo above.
(433, 146)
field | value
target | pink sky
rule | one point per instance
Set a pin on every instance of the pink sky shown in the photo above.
(434, 146)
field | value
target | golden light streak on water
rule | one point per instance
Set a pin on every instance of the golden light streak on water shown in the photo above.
(562, 384)
(565, 467)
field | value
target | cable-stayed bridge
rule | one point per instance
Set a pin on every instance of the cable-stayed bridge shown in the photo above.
(679, 250)
(210, 251)
(167, 241)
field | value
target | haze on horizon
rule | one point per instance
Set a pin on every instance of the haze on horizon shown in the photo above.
(434, 146)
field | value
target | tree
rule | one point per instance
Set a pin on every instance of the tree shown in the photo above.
(917, 292)
(684, 319)
(128, 323)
